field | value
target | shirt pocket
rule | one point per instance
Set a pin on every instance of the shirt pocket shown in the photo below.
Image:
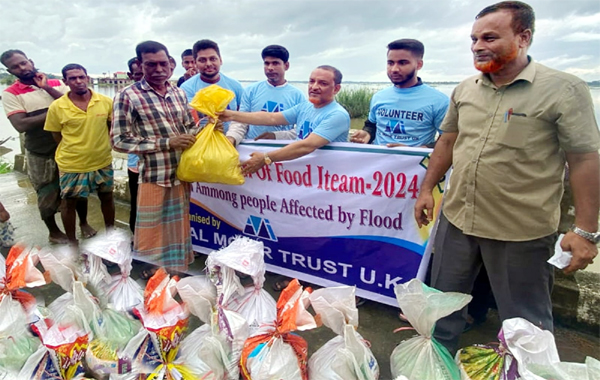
(516, 132)
(73, 124)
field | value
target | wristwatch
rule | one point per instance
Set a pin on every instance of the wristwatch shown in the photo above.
(268, 160)
(594, 237)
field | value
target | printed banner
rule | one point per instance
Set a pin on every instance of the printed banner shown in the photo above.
(342, 215)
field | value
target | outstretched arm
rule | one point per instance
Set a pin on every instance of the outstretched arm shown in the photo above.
(289, 152)
(254, 118)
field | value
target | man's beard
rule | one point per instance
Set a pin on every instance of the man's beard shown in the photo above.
(210, 75)
(497, 63)
(28, 76)
(407, 79)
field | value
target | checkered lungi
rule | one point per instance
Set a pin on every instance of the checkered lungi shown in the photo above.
(80, 185)
(43, 175)
(162, 228)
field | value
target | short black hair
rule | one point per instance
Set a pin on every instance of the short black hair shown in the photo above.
(72, 66)
(276, 51)
(414, 46)
(131, 62)
(187, 52)
(523, 16)
(149, 47)
(8, 55)
(337, 74)
(203, 45)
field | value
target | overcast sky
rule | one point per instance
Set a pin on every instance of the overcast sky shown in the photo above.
(349, 34)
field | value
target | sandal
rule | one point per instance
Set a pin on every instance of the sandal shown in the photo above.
(281, 282)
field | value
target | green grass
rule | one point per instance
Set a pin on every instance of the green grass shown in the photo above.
(5, 167)
(356, 101)
(357, 123)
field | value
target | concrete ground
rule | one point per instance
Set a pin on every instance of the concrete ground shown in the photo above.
(377, 321)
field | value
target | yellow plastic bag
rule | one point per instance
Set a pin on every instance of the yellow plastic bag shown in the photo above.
(212, 99)
(212, 158)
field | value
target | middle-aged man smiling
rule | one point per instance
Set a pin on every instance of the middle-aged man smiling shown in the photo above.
(507, 134)
(319, 121)
(151, 119)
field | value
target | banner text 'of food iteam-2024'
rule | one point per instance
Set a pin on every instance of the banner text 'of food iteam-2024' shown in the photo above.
(342, 215)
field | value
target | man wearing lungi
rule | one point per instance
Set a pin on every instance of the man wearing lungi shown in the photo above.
(26, 103)
(79, 122)
(151, 119)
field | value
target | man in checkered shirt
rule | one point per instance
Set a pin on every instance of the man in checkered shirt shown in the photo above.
(151, 119)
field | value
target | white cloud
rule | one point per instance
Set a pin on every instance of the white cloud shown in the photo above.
(350, 34)
(581, 36)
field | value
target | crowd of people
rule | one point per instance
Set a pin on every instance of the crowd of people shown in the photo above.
(507, 132)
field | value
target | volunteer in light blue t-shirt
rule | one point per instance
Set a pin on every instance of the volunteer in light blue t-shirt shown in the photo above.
(318, 122)
(272, 95)
(331, 122)
(208, 65)
(268, 98)
(409, 113)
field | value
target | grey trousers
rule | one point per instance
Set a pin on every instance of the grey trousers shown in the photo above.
(519, 275)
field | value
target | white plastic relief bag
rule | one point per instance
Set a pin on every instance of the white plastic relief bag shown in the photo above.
(113, 245)
(275, 352)
(122, 291)
(347, 356)
(537, 355)
(243, 257)
(61, 263)
(18, 271)
(17, 344)
(213, 350)
(422, 357)
(153, 352)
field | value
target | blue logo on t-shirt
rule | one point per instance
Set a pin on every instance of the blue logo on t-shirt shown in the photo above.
(272, 107)
(395, 127)
(305, 130)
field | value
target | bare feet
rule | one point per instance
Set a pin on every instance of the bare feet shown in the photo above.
(58, 238)
(87, 231)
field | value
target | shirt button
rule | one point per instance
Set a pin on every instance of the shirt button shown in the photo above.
(474, 161)
(498, 93)
(490, 115)
(482, 139)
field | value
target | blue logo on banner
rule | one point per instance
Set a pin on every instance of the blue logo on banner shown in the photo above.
(395, 127)
(259, 227)
(272, 107)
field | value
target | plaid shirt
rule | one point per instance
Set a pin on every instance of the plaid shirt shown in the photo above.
(144, 121)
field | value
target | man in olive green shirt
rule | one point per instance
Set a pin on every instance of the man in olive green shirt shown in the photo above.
(507, 134)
